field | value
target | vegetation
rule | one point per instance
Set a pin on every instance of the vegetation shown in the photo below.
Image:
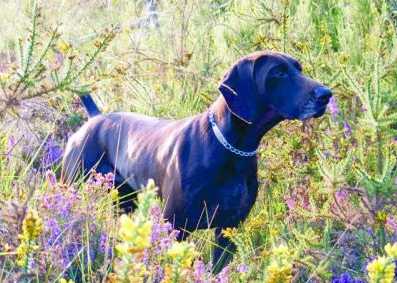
(327, 209)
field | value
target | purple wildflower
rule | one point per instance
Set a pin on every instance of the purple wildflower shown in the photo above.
(99, 180)
(242, 268)
(103, 242)
(51, 178)
(163, 233)
(391, 223)
(155, 213)
(345, 278)
(54, 230)
(333, 107)
(351, 251)
(167, 241)
(159, 274)
(109, 180)
(298, 198)
(52, 153)
(59, 203)
(11, 143)
(70, 252)
(341, 196)
(58, 61)
(223, 276)
(347, 129)
(199, 271)
(160, 230)
(327, 153)
(290, 203)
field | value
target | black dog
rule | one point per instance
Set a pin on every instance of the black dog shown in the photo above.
(206, 165)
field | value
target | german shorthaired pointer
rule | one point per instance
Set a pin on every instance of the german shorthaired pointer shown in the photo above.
(205, 165)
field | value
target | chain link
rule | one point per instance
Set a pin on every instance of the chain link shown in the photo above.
(224, 142)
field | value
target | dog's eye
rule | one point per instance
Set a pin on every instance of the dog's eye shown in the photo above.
(280, 73)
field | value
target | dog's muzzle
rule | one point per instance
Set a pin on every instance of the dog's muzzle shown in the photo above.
(317, 103)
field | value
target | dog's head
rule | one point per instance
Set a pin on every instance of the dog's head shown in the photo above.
(266, 80)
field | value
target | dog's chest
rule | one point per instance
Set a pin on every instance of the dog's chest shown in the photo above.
(233, 201)
(222, 204)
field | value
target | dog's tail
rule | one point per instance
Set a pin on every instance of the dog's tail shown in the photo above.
(90, 107)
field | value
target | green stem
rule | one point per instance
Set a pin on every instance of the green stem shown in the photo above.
(50, 43)
(30, 50)
(102, 46)
(382, 239)
(32, 40)
(379, 143)
(285, 28)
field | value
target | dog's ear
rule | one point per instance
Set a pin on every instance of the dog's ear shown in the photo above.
(238, 87)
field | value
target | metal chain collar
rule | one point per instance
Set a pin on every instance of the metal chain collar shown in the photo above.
(224, 142)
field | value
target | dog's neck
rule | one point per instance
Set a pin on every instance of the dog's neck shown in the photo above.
(238, 133)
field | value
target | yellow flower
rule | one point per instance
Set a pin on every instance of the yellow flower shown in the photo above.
(343, 58)
(143, 235)
(325, 40)
(128, 272)
(381, 217)
(391, 250)
(4, 77)
(381, 270)
(276, 273)
(64, 47)
(256, 222)
(281, 251)
(280, 268)
(229, 232)
(135, 236)
(63, 280)
(114, 194)
(127, 225)
(32, 225)
(302, 46)
(285, 2)
(274, 232)
(266, 253)
(22, 253)
(182, 252)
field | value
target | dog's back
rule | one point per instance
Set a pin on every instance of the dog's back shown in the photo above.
(101, 144)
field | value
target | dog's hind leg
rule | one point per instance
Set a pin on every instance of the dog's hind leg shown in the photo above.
(79, 159)
(72, 164)
(127, 195)
(81, 155)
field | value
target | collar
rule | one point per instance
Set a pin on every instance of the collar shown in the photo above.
(219, 136)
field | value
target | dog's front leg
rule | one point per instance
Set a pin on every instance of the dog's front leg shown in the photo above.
(222, 253)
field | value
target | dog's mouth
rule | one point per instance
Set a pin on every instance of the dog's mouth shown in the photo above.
(312, 109)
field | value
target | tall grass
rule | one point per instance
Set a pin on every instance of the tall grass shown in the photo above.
(327, 203)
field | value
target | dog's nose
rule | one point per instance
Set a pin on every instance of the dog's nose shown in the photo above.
(322, 94)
